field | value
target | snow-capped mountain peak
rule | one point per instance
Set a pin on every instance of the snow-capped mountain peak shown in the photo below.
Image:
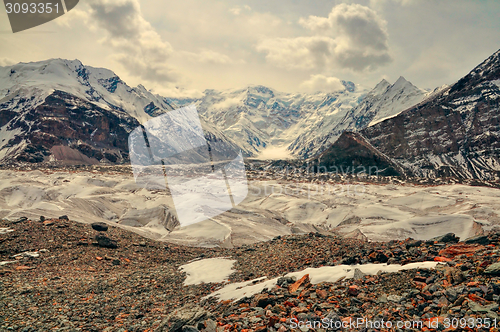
(259, 118)
(102, 87)
(385, 100)
(381, 87)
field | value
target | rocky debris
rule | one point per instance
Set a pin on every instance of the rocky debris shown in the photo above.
(74, 285)
(447, 238)
(105, 242)
(19, 220)
(480, 239)
(181, 319)
(65, 217)
(99, 226)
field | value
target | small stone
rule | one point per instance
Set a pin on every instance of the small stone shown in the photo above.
(22, 219)
(395, 298)
(353, 290)
(477, 308)
(302, 281)
(105, 242)
(210, 326)
(48, 223)
(493, 269)
(116, 262)
(42, 218)
(358, 274)
(24, 268)
(65, 217)
(447, 238)
(322, 294)
(262, 300)
(99, 226)
(382, 299)
(480, 239)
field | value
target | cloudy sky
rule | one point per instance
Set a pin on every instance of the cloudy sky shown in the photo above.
(184, 47)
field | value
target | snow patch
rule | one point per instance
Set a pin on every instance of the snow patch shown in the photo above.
(208, 270)
(237, 291)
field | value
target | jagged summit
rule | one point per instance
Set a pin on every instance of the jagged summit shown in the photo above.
(258, 117)
(62, 110)
(102, 87)
(381, 87)
(454, 133)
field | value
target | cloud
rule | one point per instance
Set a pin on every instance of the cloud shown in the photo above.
(322, 83)
(211, 57)
(237, 10)
(4, 62)
(139, 47)
(352, 36)
(378, 3)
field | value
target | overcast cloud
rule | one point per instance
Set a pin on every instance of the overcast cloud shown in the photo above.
(352, 36)
(185, 47)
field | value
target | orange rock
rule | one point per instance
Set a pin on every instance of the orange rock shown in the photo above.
(304, 280)
(322, 294)
(460, 249)
(353, 290)
(476, 298)
(23, 268)
(441, 259)
(99, 258)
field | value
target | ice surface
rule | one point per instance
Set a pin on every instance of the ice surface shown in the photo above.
(381, 212)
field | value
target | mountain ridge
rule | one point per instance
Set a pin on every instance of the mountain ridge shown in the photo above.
(454, 133)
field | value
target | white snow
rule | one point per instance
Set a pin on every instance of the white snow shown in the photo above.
(40, 79)
(5, 230)
(264, 122)
(208, 270)
(381, 103)
(236, 291)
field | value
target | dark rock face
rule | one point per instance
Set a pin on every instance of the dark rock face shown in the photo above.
(353, 151)
(106, 242)
(68, 129)
(453, 134)
(447, 238)
(99, 226)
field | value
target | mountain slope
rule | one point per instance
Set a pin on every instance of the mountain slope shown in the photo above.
(259, 118)
(454, 133)
(62, 110)
(102, 87)
(383, 101)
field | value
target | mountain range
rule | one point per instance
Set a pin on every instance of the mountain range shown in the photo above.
(61, 110)
(454, 133)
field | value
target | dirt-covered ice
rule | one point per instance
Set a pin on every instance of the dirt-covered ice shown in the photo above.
(380, 212)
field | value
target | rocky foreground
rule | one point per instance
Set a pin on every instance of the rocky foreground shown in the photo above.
(60, 275)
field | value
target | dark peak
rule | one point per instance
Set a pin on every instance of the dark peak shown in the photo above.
(488, 70)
